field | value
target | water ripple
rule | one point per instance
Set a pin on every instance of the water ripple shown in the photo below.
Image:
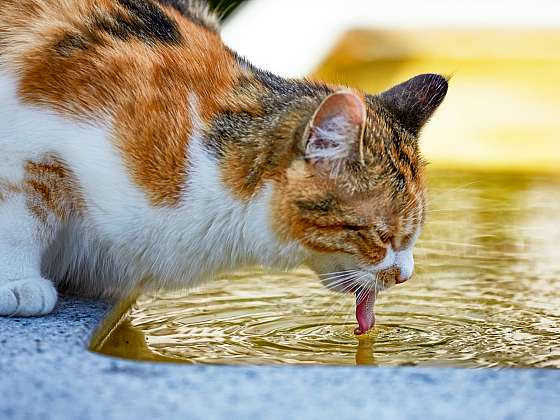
(487, 293)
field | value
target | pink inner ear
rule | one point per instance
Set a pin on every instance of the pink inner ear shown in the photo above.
(344, 104)
(336, 129)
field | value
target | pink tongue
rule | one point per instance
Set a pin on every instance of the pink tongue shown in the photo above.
(364, 311)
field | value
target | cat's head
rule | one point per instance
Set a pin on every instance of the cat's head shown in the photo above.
(355, 197)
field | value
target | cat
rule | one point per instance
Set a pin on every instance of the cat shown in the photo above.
(137, 147)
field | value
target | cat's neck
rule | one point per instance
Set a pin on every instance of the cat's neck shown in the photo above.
(258, 134)
(228, 232)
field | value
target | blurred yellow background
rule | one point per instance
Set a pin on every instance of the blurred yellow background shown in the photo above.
(502, 111)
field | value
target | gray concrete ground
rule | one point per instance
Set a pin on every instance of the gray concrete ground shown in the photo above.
(47, 373)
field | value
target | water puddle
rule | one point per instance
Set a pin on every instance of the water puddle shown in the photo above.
(486, 293)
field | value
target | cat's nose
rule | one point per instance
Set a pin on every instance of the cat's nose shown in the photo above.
(405, 263)
(401, 278)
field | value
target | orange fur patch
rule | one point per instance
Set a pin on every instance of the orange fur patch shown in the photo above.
(144, 90)
(51, 188)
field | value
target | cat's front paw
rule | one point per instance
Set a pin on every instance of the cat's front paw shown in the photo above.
(27, 297)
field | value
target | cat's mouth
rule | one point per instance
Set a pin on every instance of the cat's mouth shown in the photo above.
(365, 298)
(366, 289)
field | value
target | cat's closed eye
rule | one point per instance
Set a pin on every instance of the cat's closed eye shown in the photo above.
(355, 228)
(386, 237)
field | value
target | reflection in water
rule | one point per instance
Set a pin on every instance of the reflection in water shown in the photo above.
(364, 352)
(486, 293)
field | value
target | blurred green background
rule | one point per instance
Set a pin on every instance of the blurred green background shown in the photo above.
(225, 7)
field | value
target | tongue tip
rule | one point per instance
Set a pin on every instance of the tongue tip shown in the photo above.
(365, 322)
(359, 331)
(363, 328)
(364, 312)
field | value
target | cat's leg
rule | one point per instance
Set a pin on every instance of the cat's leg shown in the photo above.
(23, 238)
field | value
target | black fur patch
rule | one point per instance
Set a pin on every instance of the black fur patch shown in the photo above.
(285, 88)
(394, 159)
(69, 43)
(146, 21)
(324, 206)
(414, 101)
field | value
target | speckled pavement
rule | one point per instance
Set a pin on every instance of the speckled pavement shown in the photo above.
(46, 372)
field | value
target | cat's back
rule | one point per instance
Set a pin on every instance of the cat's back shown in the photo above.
(143, 69)
(86, 55)
(158, 19)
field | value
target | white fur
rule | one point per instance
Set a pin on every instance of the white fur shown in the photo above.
(122, 240)
(405, 262)
(22, 289)
(402, 259)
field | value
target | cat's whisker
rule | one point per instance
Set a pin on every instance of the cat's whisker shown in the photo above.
(345, 291)
(339, 308)
(338, 272)
(435, 241)
(343, 286)
(339, 276)
(462, 187)
(361, 292)
(328, 279)
(341, 282)
(335, 282)
(351, 277)
(343, 273)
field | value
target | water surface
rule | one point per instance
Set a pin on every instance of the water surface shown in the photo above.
(486, 293)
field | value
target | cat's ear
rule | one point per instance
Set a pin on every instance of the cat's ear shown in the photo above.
(336, 129)
(414, 101)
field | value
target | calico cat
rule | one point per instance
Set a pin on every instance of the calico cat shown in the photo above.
(135, 146)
